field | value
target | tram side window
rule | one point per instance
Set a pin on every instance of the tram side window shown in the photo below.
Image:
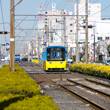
(63, 53)
(48, 53)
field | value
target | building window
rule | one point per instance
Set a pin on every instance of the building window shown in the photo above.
(56, 20)
(71, 31)
(89, 6)
(98, 6)
(107, 38)
(99, 38)
(71, 24)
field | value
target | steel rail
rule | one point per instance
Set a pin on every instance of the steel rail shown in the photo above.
(84, 98)
(94, 104)
(93, 81)
(90, 88)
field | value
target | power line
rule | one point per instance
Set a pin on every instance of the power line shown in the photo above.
(101, 10)
(47, 4)
(60, 4)
(31, 30)
(84, 6)
(3, 18)
(64, 5)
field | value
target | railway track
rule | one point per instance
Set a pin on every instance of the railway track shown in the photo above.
(85, 99)
(78, 87)
(91, 88)
(69, 85)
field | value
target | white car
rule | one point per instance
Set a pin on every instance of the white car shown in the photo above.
(2, 59)
(70, 60)
(107, 62)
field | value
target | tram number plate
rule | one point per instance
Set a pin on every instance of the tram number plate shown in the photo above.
(55, 63)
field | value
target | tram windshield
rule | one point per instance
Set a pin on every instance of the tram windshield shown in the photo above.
(55, 54)
(17, 56)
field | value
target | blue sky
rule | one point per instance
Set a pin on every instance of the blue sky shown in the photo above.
(31, 7)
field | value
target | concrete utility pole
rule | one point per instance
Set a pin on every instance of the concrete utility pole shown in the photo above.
(86, 7)
(65, 42)
(32, 51)
(94, 41)
(38, 44)
(50, 32)
(62, 27)
(12, 37)
(77, 32)
(47, 34)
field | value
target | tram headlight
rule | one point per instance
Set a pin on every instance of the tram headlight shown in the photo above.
(61, 62)
(50, 63)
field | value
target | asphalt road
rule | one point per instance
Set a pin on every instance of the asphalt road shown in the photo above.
(3, 63)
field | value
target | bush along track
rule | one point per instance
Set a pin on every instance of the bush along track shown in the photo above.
(19, 92)
(91, 69)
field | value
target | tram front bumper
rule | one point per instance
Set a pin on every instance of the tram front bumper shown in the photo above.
(55, 65)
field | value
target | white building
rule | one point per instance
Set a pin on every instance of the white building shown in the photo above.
(55, 25)
(61, 29)
(100, 27)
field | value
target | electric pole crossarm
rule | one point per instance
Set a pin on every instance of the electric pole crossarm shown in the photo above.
(48, 15)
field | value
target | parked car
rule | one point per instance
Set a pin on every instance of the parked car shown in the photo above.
(70, 60)
(107, 62)
(24, 59)
(2, 59)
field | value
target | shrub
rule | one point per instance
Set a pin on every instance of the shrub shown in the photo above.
(37, 102)
(91, 69)
(19, 92)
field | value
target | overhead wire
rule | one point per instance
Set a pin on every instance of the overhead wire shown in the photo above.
(47, 4)
(84, 9)
(101, 10)
(84, 6)
(3, 19)
(34, 24)
(25, 33)
(44, 4)
(60, 4)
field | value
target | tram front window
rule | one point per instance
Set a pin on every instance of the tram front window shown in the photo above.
(55, 54)
(16, 56)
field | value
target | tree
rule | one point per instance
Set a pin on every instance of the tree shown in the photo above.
(108, 50)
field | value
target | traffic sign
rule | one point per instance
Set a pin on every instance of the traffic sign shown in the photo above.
(44, 32)
(44, 43)
(7, 44)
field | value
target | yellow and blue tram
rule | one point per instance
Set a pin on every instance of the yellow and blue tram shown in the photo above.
(54, 58)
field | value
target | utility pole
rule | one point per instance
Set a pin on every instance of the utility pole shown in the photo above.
(86, 7)
(38, 44)
(94, 41)
(65, 42)
(32, 51)
(77, 46)
(35, 48)
(47, 34)
(62, 27)
(50, 32)
(12, 37)
(77, 31)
